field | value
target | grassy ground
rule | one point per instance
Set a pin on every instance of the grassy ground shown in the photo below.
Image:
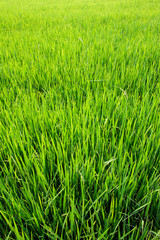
(79, 119)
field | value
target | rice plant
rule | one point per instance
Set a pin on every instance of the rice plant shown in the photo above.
(79, 120)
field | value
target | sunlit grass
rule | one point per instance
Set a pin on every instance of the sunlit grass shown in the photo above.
(79, 120)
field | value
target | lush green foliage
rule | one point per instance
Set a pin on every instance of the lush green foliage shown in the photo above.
(79, 119)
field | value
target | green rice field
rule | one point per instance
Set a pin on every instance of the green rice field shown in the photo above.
(79, 120)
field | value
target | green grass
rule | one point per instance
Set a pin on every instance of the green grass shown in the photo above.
(79, 119)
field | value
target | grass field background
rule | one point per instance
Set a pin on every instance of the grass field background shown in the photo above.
(79, 119)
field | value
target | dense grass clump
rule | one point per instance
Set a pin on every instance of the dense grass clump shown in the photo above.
(79, 119)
